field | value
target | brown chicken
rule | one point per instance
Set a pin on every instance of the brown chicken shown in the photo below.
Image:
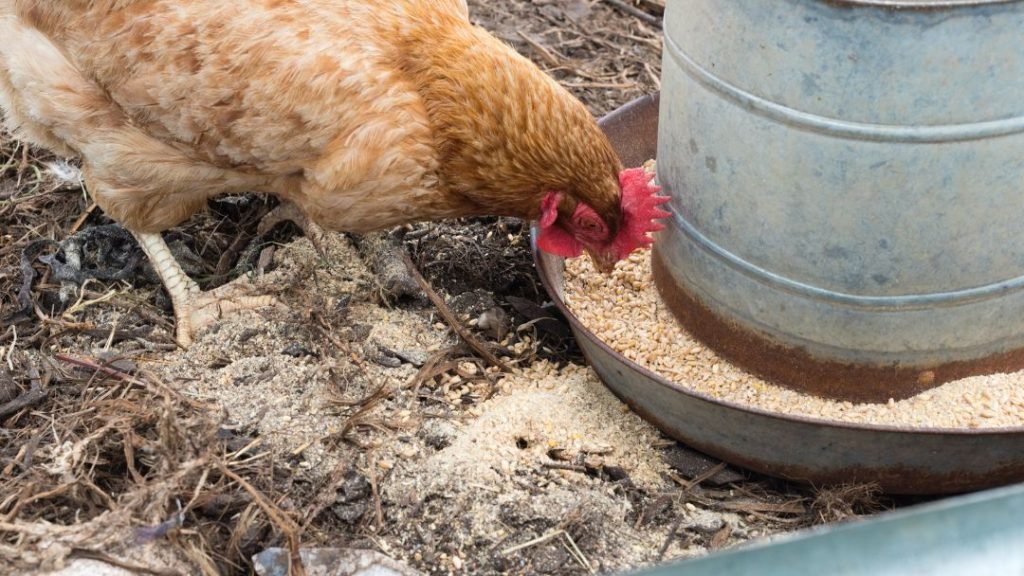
(362, 114)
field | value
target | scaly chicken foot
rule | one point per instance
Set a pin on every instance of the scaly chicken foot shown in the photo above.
(384, 252)
(290, 212)
(193, 308)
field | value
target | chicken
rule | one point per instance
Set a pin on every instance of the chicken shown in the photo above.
(362, 114)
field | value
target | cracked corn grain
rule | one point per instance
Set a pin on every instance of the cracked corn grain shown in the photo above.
(625, 310)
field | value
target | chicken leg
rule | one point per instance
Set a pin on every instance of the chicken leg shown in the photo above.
(382, 251)
(193, 308)
(289, 211)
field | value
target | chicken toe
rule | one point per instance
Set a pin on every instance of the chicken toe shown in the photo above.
(219, 303)
(195, 309)
(289, 211)
(384, 252)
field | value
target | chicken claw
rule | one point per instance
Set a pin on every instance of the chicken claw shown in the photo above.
(289, 211)
(193, 308)
(384, 252)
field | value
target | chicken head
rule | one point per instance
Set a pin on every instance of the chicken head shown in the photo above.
(585, 231)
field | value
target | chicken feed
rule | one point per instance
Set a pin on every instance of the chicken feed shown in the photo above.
(625, 310)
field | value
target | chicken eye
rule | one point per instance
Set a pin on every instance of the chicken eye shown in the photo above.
(586, 221)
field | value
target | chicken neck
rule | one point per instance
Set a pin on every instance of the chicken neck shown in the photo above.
(506, 132)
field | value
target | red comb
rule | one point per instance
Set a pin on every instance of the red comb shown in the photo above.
(639, 211)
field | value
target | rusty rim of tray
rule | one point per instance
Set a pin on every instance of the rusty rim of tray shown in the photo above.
(619, 125)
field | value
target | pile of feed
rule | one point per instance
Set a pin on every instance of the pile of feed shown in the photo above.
(625, 310)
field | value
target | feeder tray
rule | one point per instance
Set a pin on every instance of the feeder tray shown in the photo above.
(901, 460)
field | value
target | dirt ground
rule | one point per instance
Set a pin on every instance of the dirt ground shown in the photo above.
(349, 420)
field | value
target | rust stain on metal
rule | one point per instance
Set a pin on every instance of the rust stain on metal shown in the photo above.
(796, 369)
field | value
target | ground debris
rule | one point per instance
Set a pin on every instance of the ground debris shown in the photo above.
(847, 502)
(692, 464)
(122, 451)
(33, 396)
(385, 255)
(331, 562)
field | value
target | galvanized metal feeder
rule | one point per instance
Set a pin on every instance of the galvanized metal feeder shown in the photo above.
(978, 534)
(847, 182)
(847, 221)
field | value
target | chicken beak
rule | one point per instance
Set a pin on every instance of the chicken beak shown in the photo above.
(603, 261)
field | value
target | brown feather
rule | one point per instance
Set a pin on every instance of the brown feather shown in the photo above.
(367, 114)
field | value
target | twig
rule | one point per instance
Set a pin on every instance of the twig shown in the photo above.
(576, 553)
(327, 495)
(434, 366)
(555, 60)
(668, 539)
(546, 54)
(365, 406)
(108, 371)
(236, 455)
(356, 359)
(634, 11)
(113, 332)
(304, 446)
(535, 542)
(770, 507)
(709, 473)
(81, 219)
(23, 502)
(10, 351)
(615, 85)
(34, 396)
(560, 466)
(378, 508)
(198, 490)
(449, 317)
(283, 522)
(82, 303)
(653, 76)
(107, 559)
(658, 6)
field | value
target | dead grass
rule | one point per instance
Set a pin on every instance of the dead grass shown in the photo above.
(128, 455)
(847, 502)
(603, 56)
(38, 201)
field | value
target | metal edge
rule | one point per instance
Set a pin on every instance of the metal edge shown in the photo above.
(834, 127)
(977, 529)
(914, 4)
